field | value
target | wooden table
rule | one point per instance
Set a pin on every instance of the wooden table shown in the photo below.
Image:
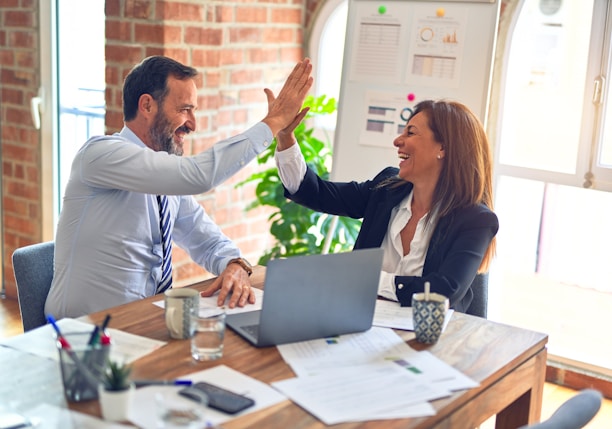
(508, 362)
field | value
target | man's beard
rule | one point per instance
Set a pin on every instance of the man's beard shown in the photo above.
(162, 135)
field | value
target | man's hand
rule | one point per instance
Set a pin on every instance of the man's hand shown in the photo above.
(233, 280)
(286, 109)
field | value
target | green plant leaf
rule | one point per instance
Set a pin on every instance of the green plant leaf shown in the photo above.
(296, 229)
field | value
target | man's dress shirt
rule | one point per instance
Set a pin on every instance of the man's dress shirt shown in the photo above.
(108, 248)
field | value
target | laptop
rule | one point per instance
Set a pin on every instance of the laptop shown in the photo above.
(313, 296)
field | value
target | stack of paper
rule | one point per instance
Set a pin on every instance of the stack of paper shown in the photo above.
(366, 376)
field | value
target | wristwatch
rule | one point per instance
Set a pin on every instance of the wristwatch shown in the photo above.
(246, 266)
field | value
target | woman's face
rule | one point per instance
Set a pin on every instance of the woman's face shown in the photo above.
(420, 155)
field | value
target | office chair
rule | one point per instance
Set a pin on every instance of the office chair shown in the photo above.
(574, 413)
(480, 287)
(33, 269)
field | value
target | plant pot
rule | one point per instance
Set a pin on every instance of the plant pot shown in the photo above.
(115, 404)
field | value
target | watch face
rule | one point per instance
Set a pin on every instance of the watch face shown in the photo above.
(550, 7)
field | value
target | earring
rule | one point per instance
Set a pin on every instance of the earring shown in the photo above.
(439, 156)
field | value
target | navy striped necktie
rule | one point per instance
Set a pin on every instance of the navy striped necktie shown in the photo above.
(166, 239)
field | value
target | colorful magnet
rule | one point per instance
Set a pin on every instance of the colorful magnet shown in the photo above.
(440, 12)
(410, 97)
(382, 10)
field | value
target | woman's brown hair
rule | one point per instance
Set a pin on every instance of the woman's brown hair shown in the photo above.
(467, 173)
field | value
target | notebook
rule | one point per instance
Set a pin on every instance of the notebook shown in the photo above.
(313, 296)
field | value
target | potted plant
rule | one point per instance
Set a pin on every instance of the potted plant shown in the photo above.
(116, 392)
(298, 230)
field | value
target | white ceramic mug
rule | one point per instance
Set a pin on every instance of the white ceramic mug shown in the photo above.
(180, 304)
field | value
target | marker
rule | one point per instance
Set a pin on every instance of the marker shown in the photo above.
(141, 383)
(105, 339)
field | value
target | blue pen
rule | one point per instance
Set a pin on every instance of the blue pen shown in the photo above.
(141, 383)
(64, 343)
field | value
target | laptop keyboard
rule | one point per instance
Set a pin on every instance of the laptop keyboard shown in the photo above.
(251, 330)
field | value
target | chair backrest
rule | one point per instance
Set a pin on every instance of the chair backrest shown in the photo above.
(574, 413)
(480, 287)
(33, 268)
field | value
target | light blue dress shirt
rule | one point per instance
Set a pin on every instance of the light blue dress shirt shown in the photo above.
(108, 247)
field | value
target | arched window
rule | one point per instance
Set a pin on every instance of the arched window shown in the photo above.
(326, 48)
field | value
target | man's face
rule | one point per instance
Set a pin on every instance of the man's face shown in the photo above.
(175, 117)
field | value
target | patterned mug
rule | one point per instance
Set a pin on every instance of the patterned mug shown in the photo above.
(428, 316)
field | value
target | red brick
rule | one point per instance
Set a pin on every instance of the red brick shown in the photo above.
(263, 55)
(251, 14)
(178, 11)
(245, 34)
(286, 15)
(223, 14)
(139, 9)
(203, 36)
(149, 33)
(118, 30)
(18, 18)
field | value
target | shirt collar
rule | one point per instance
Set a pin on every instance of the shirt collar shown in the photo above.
(131, 136)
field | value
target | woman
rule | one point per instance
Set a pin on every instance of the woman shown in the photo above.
(432, 216)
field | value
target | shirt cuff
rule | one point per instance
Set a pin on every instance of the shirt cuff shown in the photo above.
(260, 135)
(386, 286)
(291, 167)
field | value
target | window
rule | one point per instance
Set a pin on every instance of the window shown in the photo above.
(554, 177)
(73, 82)
(326, 47)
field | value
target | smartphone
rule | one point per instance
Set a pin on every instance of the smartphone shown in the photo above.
(218, 398)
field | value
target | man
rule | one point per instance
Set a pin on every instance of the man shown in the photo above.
(129, 195)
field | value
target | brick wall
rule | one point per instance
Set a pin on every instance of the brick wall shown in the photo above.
(21, 154)
(239, 47)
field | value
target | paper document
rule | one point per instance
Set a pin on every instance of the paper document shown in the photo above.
(347, 378)
(381, 391)
(265, 396)
(372, 346)
(41, 341)
(210, 302)
(391, 314)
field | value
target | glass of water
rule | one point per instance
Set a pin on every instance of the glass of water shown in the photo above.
(208, 332)
(177, 412)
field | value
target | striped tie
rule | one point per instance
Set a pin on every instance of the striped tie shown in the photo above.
(166, 238)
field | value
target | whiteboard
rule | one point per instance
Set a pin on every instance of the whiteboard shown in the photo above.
(398, 53)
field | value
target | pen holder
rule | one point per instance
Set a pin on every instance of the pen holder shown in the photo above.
(82, 365)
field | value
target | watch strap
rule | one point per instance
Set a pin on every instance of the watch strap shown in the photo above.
(246, 266)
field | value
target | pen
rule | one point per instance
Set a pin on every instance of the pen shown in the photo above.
(94, 336)
(105, 339)
(105, 322)
(63, 342)
(141, 383)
